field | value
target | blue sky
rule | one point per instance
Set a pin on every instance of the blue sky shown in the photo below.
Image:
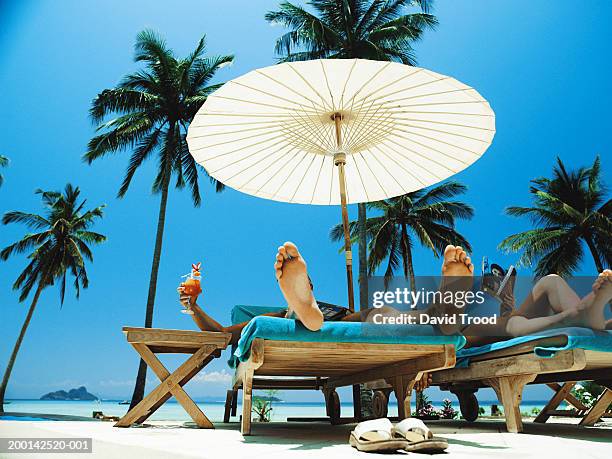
(543, 66)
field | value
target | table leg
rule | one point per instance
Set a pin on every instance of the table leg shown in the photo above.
(171, 385)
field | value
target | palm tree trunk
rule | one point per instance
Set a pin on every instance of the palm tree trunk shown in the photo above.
(363, 257)
(141, 377)
(364, 394)
(11, 362)
(596, 257)
(407, 255)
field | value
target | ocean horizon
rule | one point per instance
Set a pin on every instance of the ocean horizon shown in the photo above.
(214, 409)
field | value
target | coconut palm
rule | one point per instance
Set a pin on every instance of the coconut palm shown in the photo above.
(426, 216)
(570, 210)
(150, 111)
(4, 161)
(58, 248)
(382, 30)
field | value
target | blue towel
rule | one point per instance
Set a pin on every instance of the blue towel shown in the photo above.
(577, 338)
(275, 328)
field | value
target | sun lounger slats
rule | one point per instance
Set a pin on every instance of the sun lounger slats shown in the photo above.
(335, 365)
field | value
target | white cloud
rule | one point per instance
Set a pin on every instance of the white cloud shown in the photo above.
(213, 376)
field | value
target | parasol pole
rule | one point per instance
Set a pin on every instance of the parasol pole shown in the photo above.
(340, 161)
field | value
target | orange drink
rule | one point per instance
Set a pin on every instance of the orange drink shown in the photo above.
(192, 285)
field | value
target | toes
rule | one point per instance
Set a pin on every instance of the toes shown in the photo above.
(449, 252)
(468, 263)
(283, 252)
(463, 256)
(458, 254)
(278, 273)
(291, 249)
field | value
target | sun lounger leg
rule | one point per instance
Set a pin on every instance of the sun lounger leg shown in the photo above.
(509, 390)
(402, 387)
(598, 409)
(560, 394)
(247, 401)
(234, 403)
(229, 399)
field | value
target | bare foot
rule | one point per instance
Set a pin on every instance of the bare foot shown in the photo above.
(590, 311)
(456, 262)
(458, 272)
(292, 276)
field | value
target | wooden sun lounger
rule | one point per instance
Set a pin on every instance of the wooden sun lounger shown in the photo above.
(508, 370)
(332, 365)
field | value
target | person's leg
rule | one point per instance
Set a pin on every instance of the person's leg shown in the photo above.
(457, 272)
(295, 285)
(553, 294)
(457, 276)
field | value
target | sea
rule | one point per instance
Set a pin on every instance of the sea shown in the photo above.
(172, 411)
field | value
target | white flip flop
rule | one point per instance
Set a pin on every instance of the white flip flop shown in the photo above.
(375, 436)
(418, 437)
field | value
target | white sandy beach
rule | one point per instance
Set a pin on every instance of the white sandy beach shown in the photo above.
(312, 440)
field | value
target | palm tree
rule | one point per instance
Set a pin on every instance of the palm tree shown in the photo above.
(570, 209)
(152, 109)
(426, 216)
(58, 248)
(4, 161)
(382, 30)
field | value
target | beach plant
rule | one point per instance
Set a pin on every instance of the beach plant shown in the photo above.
(424, 407)
(58, 248)
(447, 411)
(148, 113)
(381, 30)
(584, 394)
(427, 216)
(570, 209)
(4, 162)
(262, 406)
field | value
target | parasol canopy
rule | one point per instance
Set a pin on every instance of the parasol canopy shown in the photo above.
(271, 132)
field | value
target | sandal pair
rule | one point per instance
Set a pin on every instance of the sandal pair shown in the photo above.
(379, 435)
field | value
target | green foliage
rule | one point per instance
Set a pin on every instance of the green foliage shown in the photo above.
(424, 407)
(4, 162)
(582, 392)
(262, 406)
(150, 110)
(429, 216)
(369, 29)
(570, 209)
(59, 245)
(447, 411)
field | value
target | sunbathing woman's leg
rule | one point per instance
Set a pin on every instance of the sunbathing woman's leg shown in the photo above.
(552, 294)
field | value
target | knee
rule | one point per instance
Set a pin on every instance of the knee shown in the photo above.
(513, 326)
(546, 283)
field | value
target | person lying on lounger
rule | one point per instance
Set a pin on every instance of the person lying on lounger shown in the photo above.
(551, 302)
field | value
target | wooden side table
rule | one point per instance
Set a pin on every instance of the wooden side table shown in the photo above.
(203, 347)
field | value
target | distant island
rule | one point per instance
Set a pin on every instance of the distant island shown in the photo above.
(73, 394)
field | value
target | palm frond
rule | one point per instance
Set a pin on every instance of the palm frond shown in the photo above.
(58, 250)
